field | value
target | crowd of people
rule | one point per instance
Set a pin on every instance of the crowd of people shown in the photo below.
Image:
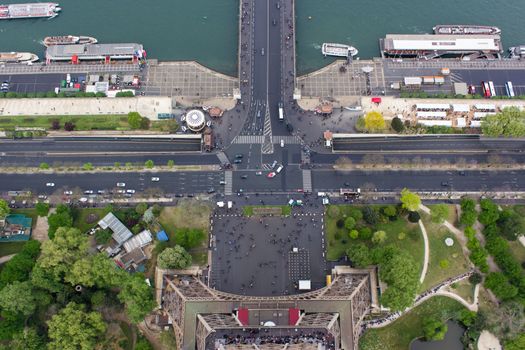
(275, 336)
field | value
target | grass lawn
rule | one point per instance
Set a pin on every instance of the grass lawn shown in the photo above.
(457, 262)
(413, 242)
(188, 214)
(247, 210)
(82, 122)
(452, 215)
(30, 212)
(86, 218)
(8, 248)
(464, 289)
(398, 335)
(517, 249)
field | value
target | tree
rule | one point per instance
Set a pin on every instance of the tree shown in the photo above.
(55, 125)
(356, 213)
(134, 120)
(517, 343)
(397, 124)
(468, 204)
(500, 286)
(4, 208)
(103, 236)
(143, 344)
(87, 166)
(489, 212)
(374, 121)
(370, 215)
(511, 224)
(390, 211)
(170, 163)
(359, 254)
(74, 328)
(379, 237)
(19, 267)
(42, 209)
(149, 164)
(354, 234)
(43, 166)
(333, 211)
(28, 339)
(62, 217)
(138, 297)
(349, 223)
(409, 200)
(414, 216)
(365, 233)
(510, 122)
(174, 258)
(439, 213)
(467, 218)
(434, 329)
(18, 298)
(475, 278)
(156, 209)
(141, 208)
(116, 165)
(508, 320)
(69, 126)
(188, 238)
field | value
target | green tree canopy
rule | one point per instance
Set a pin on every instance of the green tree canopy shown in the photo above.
(19, 267)
(359, 254)
(397, 124)
(42, 209)
(439, 213)
(517, 343)
(18, 298)
(138, 297)
(134, 120)
(28, 339)
(489, 212)
(4, 208)
(409, 200)
(174, 258)
(73, 328)
(510, 122)
(434, 329)
(379, 237)
(349, 223)
(500, 286)
(374, 121)
(62, 217)
(189, 237)
(141, 208)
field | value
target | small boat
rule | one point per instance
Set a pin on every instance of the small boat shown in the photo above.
(464, 29)
(339, 50)
(18, 57)
(68, 40)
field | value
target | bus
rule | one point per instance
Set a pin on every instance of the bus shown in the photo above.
(492, 89)
(281, 111)
(486, 89)
(510, 89)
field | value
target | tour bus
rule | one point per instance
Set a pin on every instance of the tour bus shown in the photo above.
(281, 111)
(492, 89)
(486, 89)
(510, 89)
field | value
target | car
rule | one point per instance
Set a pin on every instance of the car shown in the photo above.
(88, 192)
(190, 195)
(179, 195)
(155, 179)
(239, 156)
(258, 173)
(274, 22)
(271, 175)
(462, 173)
(279, 169)
(68, 193)
(237, 161)
(444, 183)
(211, 190)
(130, 191)
(101, 191)
(244, 177)
(121, 191)
(121, 184)
(50, 184)
(274, 164)
(282, 143)
(278, 4)
(42, 196)
(222, 182)
(262, 51)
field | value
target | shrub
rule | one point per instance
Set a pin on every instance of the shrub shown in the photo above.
(475, 278)
(413, 216)
(42, 209)
(354, 234)
(370, 215)
(349, 223)
(379, 237)
(365, 233)
(55, 125)
(340, 223)
(355, 213)
(401, 236)
(333, 211)
(444, 264)
(397, 124)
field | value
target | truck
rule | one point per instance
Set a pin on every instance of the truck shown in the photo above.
(433, 80)
(281, 111)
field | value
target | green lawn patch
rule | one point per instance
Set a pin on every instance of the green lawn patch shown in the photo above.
(82, 122)
(464, 289)
(86, 218)
(398, 335)
(517, 249)
(8, 248)
(441, 255)
(248, 210)
(188, 214)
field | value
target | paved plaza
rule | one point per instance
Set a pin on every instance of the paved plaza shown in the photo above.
(189, 80)
(252, 255)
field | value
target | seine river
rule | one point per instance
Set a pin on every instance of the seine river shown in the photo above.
(206, 30)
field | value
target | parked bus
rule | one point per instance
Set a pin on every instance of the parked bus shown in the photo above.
(492, 89)
(510, 89)
(281, 111)
(486, 89)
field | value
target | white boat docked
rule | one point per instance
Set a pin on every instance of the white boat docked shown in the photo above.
(338, 50)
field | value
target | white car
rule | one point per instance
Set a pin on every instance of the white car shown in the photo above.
(121, 184)
(88, 192)
(279, 169)
(155, 179)
(50, 184)
(68, 193)
(130, 191)
(121, 191)
(258, 173)
(282, 143)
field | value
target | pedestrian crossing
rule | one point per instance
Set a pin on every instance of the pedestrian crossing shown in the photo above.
(223, 158)
(228, 178)
(288, 139)
(267, 147)
(249, 139)
(307, 180)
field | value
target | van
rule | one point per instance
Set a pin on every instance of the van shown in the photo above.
(279, 169)
(321, 194)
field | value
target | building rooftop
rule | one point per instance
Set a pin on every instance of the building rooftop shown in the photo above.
(120, 232)
(94, 51)
(426, 42)
(138, 241)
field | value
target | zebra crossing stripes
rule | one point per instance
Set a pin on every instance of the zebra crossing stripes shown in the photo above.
(289, 140)
(228, 178)
(307, 180)
(267, 147)
(223, 158)
(249, 139)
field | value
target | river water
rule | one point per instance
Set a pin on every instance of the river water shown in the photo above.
(206, 30)
(452, 340)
